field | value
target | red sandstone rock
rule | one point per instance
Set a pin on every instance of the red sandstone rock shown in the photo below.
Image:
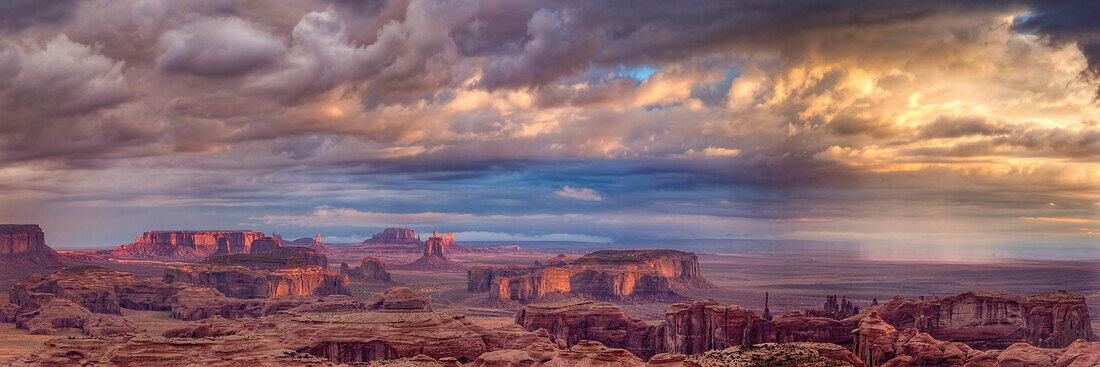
(97, 289)
(201, 303)
(371, 269)
(186, 245)
(259, 276)
(398, 299)
(391, 236)
(354, 336)
(573, 321)
(433, 258)
(314, 243)
(46, 314)
(264, 245)
(587, 353)
(874, 340)
(23, 250)
(787, 354)
(310, 255)
(994, 320)
(708, 325)
(609, 274)
(136, 351)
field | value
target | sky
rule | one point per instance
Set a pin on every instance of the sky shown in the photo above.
(890, 123)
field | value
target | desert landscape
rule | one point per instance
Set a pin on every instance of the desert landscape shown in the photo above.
(242, 297)
(566, 183)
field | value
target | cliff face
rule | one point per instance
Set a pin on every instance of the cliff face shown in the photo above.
(23, 250)
(259, 276)
(610, 274)
(187, 245)
(987, 320)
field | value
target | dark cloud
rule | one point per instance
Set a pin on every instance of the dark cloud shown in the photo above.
(218, 47)
(953, 127)
(20, 14)
(1067, 22)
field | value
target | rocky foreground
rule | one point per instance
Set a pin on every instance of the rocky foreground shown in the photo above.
(398, 328)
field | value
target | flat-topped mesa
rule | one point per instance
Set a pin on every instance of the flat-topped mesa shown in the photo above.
(260, 276)
(23, 250)
(314, 243)
(187, 245)
(394, 236)
(608, 274)
(987, 320)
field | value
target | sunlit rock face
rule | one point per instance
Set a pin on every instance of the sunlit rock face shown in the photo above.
(609, 274)
(260, 276)
(187, 245)
(987, 320)
(23, 250)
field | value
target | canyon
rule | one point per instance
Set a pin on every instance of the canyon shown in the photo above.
(606, 274)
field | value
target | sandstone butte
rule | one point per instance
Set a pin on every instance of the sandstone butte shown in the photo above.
(23, 250)
(707, 325)
(189, 245)
(607, 274)
(259, 276)
(434, 256)
(406, 240)
(370, 269)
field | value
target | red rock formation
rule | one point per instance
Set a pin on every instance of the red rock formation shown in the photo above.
(186, 245)
(797, 327)
(23, 250)
(398, 299)
(572, 321)
(587, 353)
(355, 336)
(609, 274)
(142, 350)
(874, 340)
(202, 303)
(43, 314)
(787, 354)
(259, 276)
(97, 289)
(708, 325)
(310, 255)
(371, 269)
(394, 236)
(314, 243)
(988, 320)
(265, 245)
(915, 348)
(434, 258)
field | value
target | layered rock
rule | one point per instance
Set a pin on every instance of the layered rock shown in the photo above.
(398, 299)
(394, 236)
(97, 289)
(587, 353)
(259, 276)
(310, 255)
(371, 269)
(914, 348)
(988, 320)
(265, 245)
(23, 250)
(708, 325)
(572, 321)
(874, 340)
(608, 274)
(142, 350)
(356, 336)
(202, 303)
(186, 245)
(44, 314)
(434, 258)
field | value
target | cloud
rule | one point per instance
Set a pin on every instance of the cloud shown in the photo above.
(218, 47)
(579, 194)
(62, 77)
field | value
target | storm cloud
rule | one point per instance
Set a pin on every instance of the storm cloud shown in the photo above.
(564, 119)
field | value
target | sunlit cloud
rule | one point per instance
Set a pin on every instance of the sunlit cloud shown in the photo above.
(579, 194)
